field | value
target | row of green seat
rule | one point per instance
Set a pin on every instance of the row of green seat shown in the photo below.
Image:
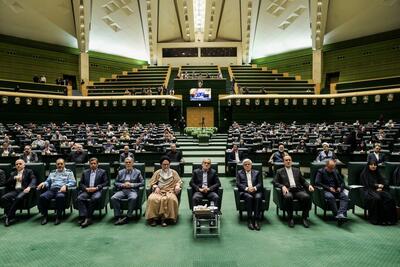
(367, 85)
(259, 81)
(150, 77)
(30, 87)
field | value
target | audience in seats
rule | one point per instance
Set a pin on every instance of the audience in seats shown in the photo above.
(6, 149)
(38, 143)
(125, 154)
(175, 155)
(78, 155)
(28, 156)
(235, 155)
(278, 155)
(326, 154)
(377, 155)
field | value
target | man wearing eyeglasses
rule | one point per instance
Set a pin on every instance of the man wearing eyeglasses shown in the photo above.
(205, 184)
(57, 185)
(250, 188)
(19, 185)
(127, 184)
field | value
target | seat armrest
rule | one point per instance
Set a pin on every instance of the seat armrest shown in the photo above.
(237, 197)
(2, 190)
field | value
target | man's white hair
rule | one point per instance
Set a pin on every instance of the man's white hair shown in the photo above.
(247, 160)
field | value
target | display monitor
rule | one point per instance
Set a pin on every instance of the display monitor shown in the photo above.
(200, 94)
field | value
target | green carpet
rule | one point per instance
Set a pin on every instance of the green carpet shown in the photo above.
(357, 243)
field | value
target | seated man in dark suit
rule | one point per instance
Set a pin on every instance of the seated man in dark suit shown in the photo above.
(78, 156)
(127, 183)
(19, 185)
(92, 182)
(175, 155)
(377, 156)
(28, 156)
(205, 184)
(235, 155)
(333, 184)
(248, 182)
(293, 186)
(125, 154)
(57, 185)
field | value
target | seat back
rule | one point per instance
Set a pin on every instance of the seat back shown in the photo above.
(389, 168)
(354, 171)
(7, 168)
(39, 170)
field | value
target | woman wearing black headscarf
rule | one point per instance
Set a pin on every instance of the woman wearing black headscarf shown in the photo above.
(381, 206)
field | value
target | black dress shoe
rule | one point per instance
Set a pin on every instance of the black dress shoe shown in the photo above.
(257, 226)
(153, 223)
(250, 226)
(306, 224)
(86, 223)
(291, 223)
(57, 221)
(82, 220)
(44, 221)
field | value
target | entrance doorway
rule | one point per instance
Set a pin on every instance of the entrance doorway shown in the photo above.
(71, 80)
(200, 116)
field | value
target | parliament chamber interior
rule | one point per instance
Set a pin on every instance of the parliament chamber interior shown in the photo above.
(199, 133)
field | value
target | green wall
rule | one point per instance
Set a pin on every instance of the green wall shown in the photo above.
(21, 59)
(103, 65)
(368, 58)
(295, 62)
(362, 58)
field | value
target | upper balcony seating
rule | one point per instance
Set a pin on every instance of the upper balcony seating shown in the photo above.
(256, 80)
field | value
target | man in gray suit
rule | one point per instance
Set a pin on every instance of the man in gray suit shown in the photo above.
(293, 186)
(92, 182)
(127, 183)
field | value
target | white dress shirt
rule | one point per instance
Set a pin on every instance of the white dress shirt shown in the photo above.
(289, 172)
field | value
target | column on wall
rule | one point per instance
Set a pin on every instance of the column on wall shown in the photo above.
(84, 69)
(317, 69)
